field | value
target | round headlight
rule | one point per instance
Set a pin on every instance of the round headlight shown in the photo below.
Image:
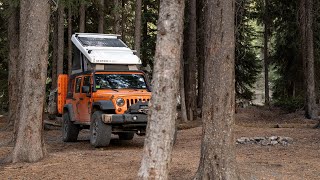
(120, 102)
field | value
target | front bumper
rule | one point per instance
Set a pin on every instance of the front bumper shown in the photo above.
(125, 118)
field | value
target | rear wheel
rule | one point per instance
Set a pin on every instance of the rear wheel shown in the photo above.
(100, 133)
(126, 135)
(70, 131)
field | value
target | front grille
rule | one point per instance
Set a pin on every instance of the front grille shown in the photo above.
(133, 101)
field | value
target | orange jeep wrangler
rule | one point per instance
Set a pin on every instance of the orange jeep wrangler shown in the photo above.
(105, 91)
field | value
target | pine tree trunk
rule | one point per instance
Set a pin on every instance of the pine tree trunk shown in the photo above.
(14, 67)
(54, 50)
(137, 31)
(82, 23)
(200, 51)
(217, 160)
(116, 12)
(191, 54)
(265, 53)
(184, 115)
(123, 21)
(60, 39)
(69, 40)
(144, 37)
(307, 54)
(159, 140)
(101, 16)
(33, 52)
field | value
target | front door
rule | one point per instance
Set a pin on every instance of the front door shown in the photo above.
(76, 98)
(84, 100)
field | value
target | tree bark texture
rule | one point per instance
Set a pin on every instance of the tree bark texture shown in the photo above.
(144, 53)
(200, 50)
(60, 39)
(82, 13)
(217, 160)
(34, 35)
(116, 13)
(54, 50)
(123, 21)
(69, 40)
(137, 30)
(162, 116)
(307, 54)
(184, 115)
(265, 52)
(101, 16)
(191, 54)
(14, 66)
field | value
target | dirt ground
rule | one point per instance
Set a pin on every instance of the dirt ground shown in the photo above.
(121, 160)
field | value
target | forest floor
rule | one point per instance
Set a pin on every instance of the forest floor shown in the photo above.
(121, 160)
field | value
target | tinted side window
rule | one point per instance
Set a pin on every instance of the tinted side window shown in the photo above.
(71, 88)
(86, 81)
(76, 63)
(78, 85)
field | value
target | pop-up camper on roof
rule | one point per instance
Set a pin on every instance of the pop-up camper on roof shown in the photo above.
(101, 52)
(105, 93)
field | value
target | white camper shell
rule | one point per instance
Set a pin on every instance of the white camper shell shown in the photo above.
(101, 52)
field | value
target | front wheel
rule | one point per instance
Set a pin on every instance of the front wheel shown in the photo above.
(70, 131)
(100, 133)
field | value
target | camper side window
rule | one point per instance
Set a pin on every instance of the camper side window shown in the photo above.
(76, 60)
(78, 85)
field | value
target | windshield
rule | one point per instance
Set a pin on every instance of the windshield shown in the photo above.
(120, 81)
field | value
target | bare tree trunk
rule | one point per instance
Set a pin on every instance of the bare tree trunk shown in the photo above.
(200, 51)
(307, 48)
(60, 39)
(184, 115)
(101, 16)
(160, 134)
(191, 54)
(265, 53)
(217, 160)
(116, 13)
(69, 40)
(123, 20)
(34, 35)
(54, 50)
(144, 53)
(14, 66)
(82, 12)
(137, 31)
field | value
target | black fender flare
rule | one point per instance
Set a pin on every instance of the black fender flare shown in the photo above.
(68, 108)
(103, 105)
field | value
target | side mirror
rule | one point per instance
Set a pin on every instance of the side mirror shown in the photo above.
(85, 89)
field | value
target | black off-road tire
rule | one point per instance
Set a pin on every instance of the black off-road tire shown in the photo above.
(70, 131)
(100, 133)
(126, 135)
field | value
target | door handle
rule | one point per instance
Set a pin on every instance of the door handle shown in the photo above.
(81, 98)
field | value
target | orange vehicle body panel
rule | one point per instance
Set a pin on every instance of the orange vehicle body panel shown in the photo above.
(62, 91)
